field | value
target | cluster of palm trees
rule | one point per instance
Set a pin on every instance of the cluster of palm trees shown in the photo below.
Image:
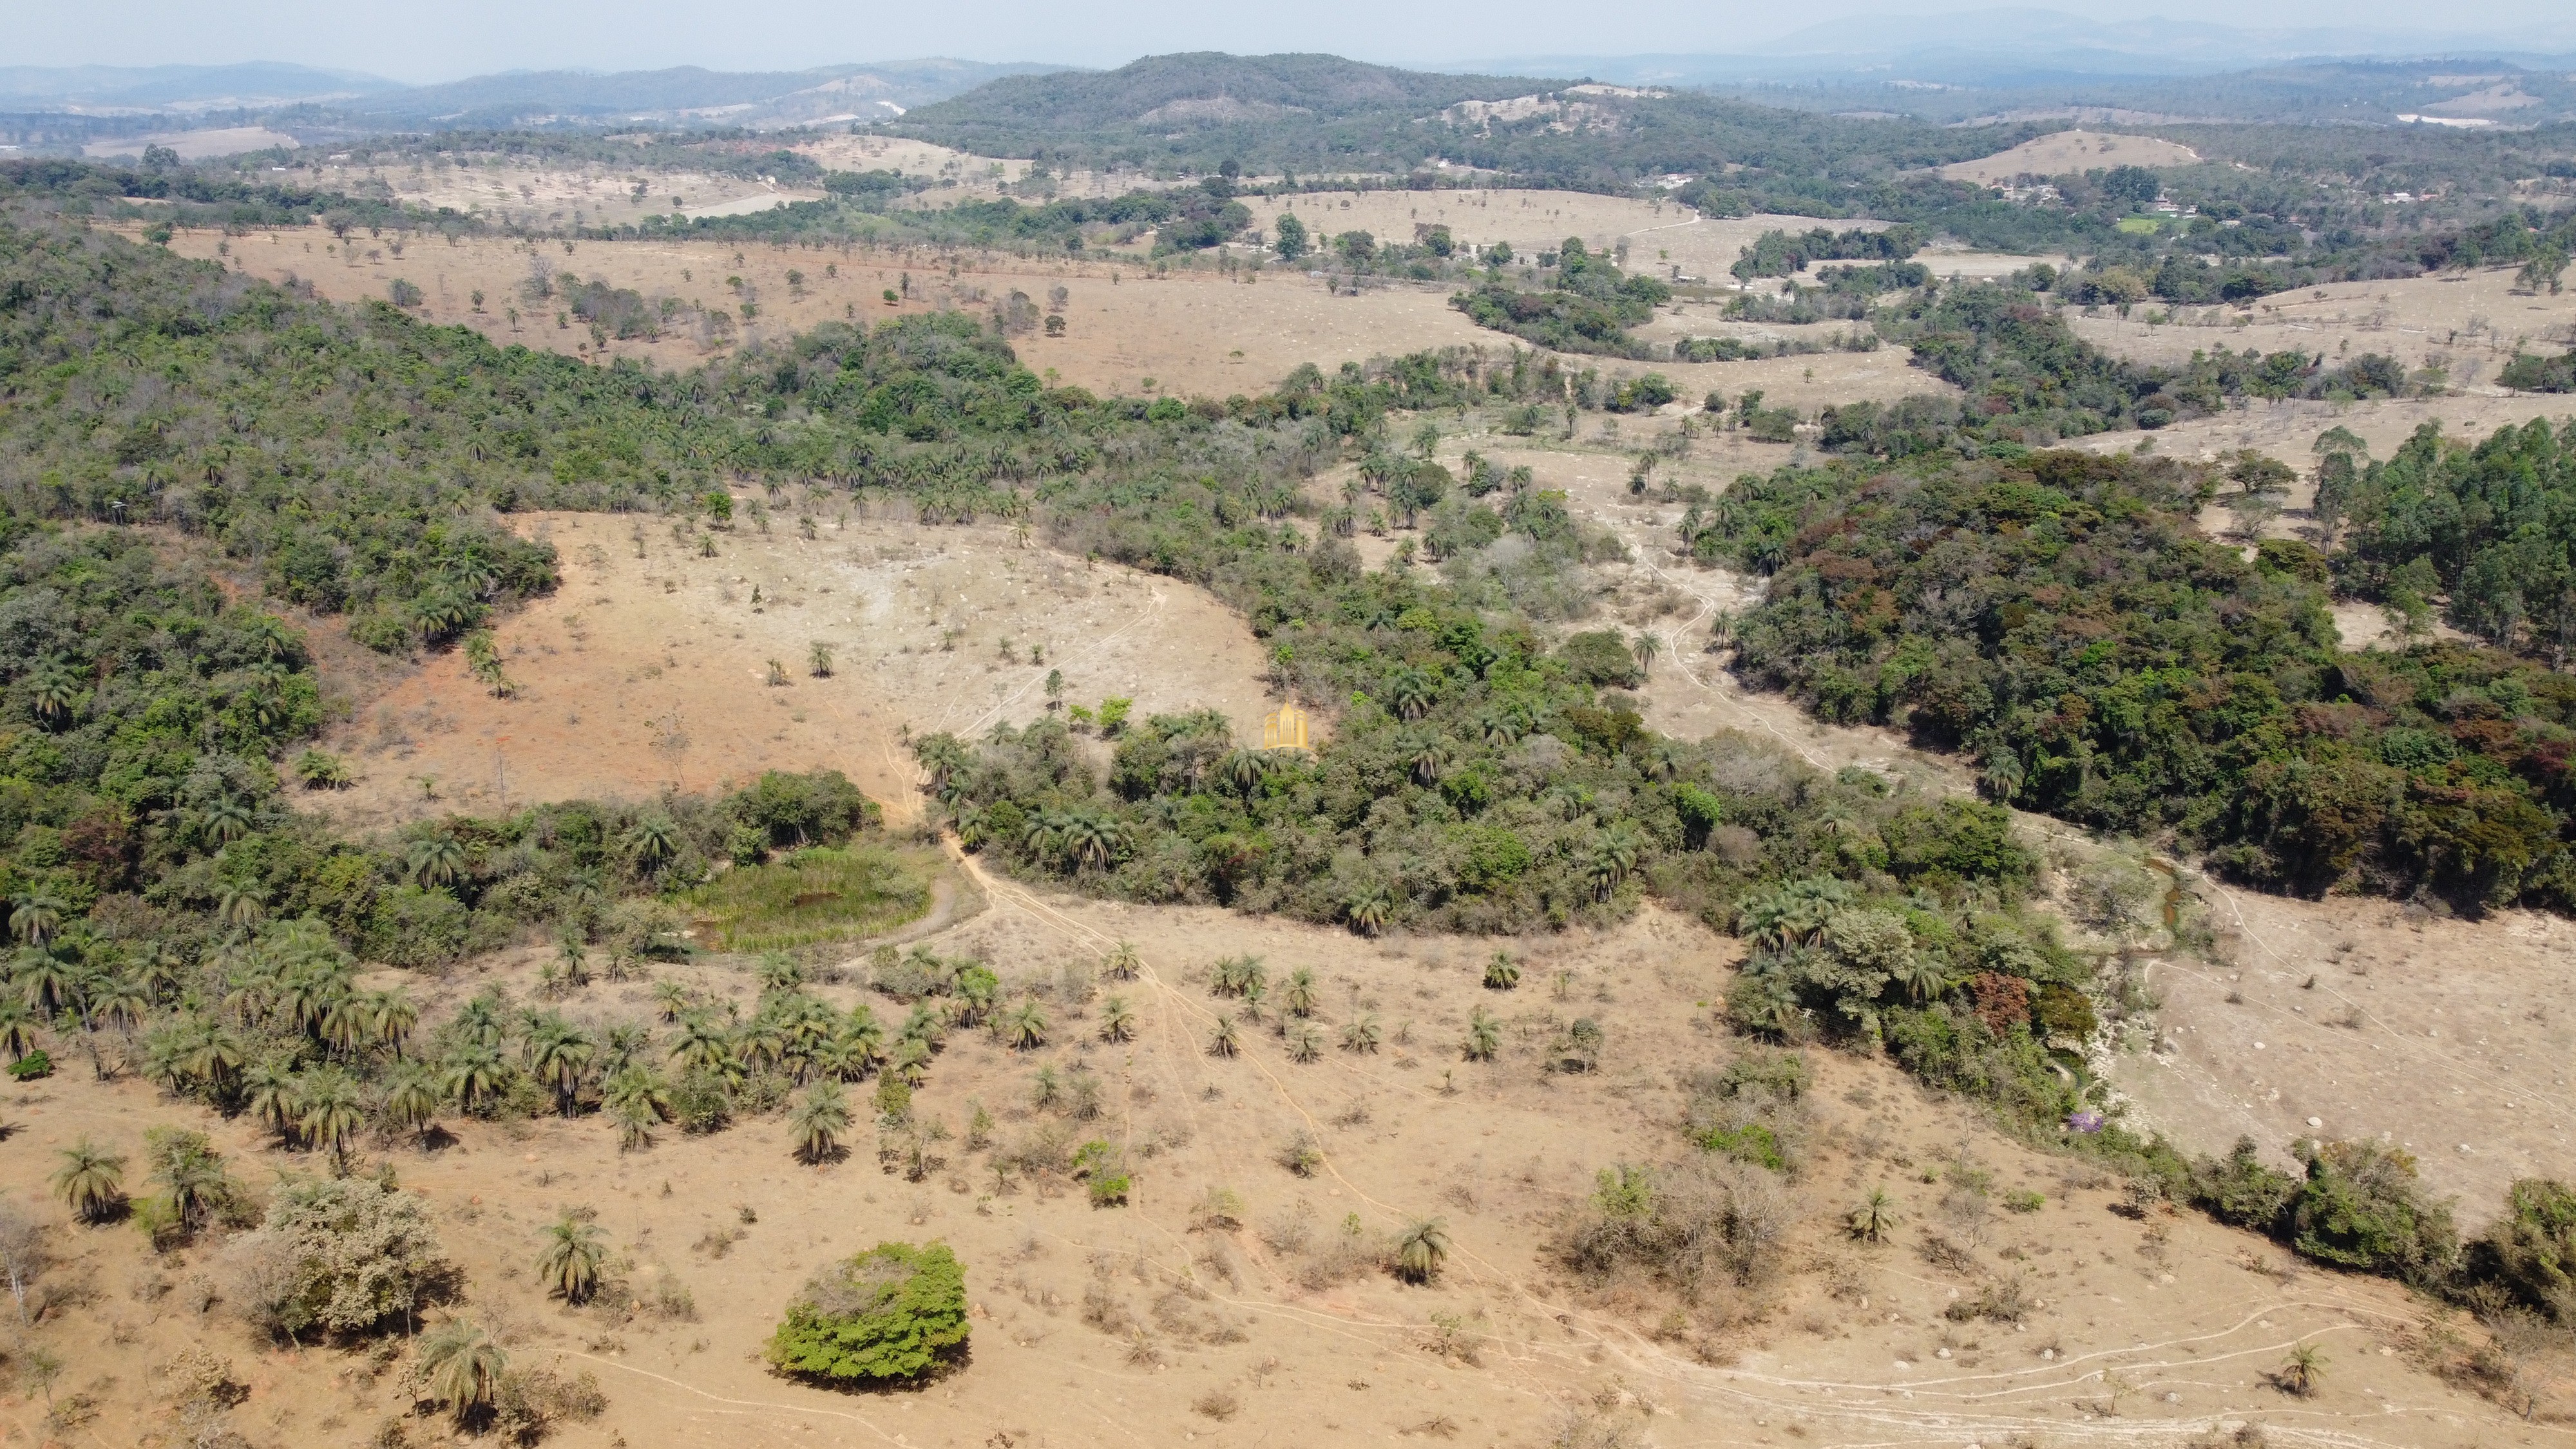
(1816, 942)
(1082, 836)
(194, 1182)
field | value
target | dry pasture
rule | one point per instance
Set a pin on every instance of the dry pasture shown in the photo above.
(2062, 152)
(649, 667)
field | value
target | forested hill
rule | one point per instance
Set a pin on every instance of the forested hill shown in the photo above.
(1306, 114)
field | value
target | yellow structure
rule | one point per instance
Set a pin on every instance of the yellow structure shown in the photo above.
(1284, 728)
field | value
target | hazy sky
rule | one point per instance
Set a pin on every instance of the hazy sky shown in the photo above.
(443, 41)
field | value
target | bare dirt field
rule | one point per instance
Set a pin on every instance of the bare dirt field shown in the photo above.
(2467, 323)
(647, 669)
(2071, 151)
(1158, 1323)
(2365, 1019)
(1191, 331)
(196, 145)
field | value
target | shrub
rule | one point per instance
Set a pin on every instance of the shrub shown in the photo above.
(2360, 1209)
(2240, 1191)
(2530, 1252)
(345, 1257)
(893, 1313)
(1600, 656)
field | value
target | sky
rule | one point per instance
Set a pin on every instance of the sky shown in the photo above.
(455, 38)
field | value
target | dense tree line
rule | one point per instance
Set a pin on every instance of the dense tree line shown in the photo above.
(2061, 619)
(2490, 529)
(1588, 307)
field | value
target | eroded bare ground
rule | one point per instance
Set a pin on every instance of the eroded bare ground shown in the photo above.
(1148, 1324)
(649, 667)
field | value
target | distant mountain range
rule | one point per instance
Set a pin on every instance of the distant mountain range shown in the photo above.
(179, 88)
(2019, 46)
(289, 95)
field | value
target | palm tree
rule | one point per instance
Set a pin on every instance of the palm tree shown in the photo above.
(1244, 770)
(462, 1366)
(671, 998)
(1922, 975)
(213, 1054)
(479, 1021)
(1502, 973)
(1411, 691)
(1360, 1034)
(1117, 1019)
(1370, 909)
(560, 1056)
(271, 1096)
(225, 821)
(121, 1003)
(637, 1100)
(1497, 725)
(818, 659)
(391, 1017)
(17, 1028)
(53, 690)
(1645, 648)
(818, 1122)
(241, 907)
(1613, 855)
(438, 860)
(192, 1173)
(1420, 1250)
(332, 1110)
(91, 1181)
(411, 1103)
(653, 841)
(44, 982)
(1123, 962)
(1297, 997)
(1484, 1036)
(570, 1261)
(1024, 1026)
(701, 1043)
(1305, 1041)
(472, 1073)
(1875, 1218)
(37, 917)
(2302, 1371)
(1430, 761)
(1091, 837)
(1225, 1041)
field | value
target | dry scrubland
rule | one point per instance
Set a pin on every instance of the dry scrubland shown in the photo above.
(1149, 1323)
(1189, 331)
(648, 668)
(1154, 1323)
(1158, 1322)
(2466, 323)
(2373, 1018)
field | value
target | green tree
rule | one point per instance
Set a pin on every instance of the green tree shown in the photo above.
(1290, 237)
(891, 1314)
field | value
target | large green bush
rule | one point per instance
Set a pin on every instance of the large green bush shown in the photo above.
(2360, 1209)
(893, 1313)
(2530, 1252)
